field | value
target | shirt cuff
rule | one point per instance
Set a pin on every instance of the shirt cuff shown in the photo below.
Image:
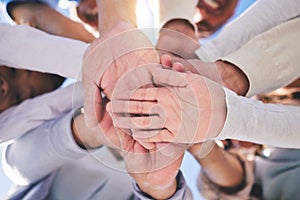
(62, 139)
(182, 191)
(203, 54)
(173, 9)
(230, 125)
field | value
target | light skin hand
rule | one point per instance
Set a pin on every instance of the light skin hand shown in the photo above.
(89, 138)
(178, 38)
(107, 60)
(188, 108)
(220, 71)
(153, 170)
(120, 48)
(233, 78)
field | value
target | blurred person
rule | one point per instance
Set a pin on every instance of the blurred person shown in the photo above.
(43, 15)
(207, 16)
(18, 85)
(211, 15)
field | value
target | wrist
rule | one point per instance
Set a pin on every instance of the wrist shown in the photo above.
(202, 150)
(123, 11)
(83, 136)
(233, 78)
(159, 191)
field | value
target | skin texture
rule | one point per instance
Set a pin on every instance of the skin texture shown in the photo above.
(120, 49)
(181, 111)
(177, 37)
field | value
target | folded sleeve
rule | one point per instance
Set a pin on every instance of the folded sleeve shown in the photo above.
(270, 60)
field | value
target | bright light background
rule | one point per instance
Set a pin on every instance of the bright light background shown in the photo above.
(190, 167)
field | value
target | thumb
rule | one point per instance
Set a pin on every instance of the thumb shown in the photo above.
(92, 104)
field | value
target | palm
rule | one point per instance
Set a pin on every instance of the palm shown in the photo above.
(107, 59)
(156, 167)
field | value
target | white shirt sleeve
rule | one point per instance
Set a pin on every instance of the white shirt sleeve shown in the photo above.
(261, 16)
(270, 60)
(172, 9)
(29, 48)
(254, 121)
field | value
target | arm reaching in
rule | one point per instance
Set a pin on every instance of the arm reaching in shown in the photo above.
(45, 18)
(120, 48)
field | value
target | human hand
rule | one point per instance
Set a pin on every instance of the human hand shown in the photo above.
(182, 108)
(111, 56)
(153, 170)
(88, 138)
(222, 72)
(178, 37)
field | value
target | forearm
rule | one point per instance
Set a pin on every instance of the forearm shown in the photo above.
(45, 18)
(178, 37)
(222, 168)
(112, 12)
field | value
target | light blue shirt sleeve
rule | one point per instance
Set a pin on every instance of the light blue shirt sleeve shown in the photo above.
(42, 151)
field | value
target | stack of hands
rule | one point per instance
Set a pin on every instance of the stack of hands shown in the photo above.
(155, 106)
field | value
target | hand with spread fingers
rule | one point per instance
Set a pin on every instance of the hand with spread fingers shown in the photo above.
(181, 108)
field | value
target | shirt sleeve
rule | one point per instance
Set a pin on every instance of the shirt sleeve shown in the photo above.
(182, 192)
(18, 120)
(260, 17)
(254, 121)
(39, 51)
(270, 60)
(42, 151)
(172, 9)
